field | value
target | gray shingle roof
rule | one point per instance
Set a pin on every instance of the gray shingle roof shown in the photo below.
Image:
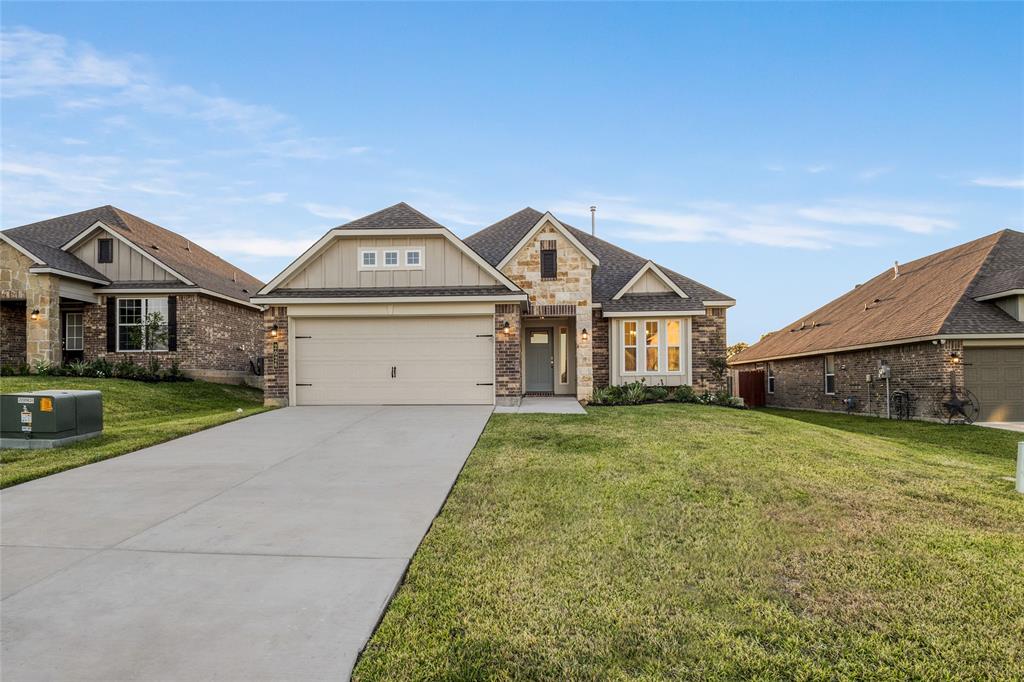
(401, 216)
(397, 291)
(192, 261)
(57, 259)
(641, 302)
(617, 265)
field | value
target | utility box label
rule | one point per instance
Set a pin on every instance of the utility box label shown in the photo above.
(26, 420)
(26, 401)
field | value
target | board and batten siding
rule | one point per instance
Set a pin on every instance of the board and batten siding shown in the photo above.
(649, 283)
(128, 264)
(444, 265)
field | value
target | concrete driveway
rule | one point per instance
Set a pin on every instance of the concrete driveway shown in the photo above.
(262, 549)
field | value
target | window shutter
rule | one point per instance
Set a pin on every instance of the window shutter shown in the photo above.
(172, 323)
(111, 324)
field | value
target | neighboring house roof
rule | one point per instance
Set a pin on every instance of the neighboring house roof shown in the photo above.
(190, 260)
(617, 267)
(932, 296)
(401, 216)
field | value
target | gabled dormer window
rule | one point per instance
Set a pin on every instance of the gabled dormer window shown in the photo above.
(548, 259)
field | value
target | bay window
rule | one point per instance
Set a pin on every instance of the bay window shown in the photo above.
(657, 350)
(142, 324)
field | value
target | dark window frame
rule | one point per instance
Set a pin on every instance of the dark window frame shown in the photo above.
(770, 375)
(830, 386)
(549, 264)
(107, 244)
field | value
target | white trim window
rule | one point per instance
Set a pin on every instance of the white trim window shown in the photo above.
(830, 375)
(629, 345)
(674, 345)
(391, 259)
(142, 324)
(770, 375)
(368, 259)
(414, 258)
(74, 332)
(563, 355)
(652, 349)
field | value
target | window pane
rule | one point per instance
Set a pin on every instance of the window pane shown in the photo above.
(390, 258)
(830, 384)
(129, 337)
(652, 333)
(652, 359)
(129, 311)
(673, 358)
(412, 258)
(629, 333)
(830, 364)
(563, 353)
(673, 333)
(369, 258)
(631, 359)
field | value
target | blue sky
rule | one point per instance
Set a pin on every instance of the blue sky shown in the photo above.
(779, 153)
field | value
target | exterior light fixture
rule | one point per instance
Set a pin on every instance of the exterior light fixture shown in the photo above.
(35, 314)
(954, 357)
(585, 335)
(273, 331)
(506, 328)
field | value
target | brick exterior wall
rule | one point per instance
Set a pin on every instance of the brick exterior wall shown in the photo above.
(601, 358)
(707, 335)
(508, 374)
(275, 352)
(12, 333)
(924, 370)
(213, 334)
(571, 286)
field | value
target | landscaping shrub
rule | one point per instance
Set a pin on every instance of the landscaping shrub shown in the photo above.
(634, 393)
(685, 394)
(78, 368)
(638, 393)
(657, 394)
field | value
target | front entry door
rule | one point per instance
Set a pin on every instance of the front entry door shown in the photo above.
(74, 337)
(540, 361)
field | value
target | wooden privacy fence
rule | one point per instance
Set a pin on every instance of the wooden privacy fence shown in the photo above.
(751, 387)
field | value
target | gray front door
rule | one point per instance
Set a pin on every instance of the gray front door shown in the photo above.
(540, 360)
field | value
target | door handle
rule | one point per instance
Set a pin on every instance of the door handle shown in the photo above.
(394, 372)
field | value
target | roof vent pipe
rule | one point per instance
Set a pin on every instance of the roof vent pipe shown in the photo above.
(593, 221)
(896, 269)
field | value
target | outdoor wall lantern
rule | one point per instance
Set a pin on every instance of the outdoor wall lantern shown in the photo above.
(954, 357)
(35, 314)
(506, 328)
(273, 331)
(585, 335)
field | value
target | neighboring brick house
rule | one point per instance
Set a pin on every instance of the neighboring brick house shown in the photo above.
(104, 283)
(394, 308)
(951, 319)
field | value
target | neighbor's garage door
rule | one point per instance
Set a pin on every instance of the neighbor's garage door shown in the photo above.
(996, 377)
(394, 361)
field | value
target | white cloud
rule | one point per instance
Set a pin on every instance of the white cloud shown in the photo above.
(787, 226)
(1004, 182)
(818, 168)
(331, 212)
(253, 245)
(872, 173)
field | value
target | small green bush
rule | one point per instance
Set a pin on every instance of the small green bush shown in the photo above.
(78, 368)
(634, 393)
(602, 396)
(685, 394)
(657, 393)
(43, 368)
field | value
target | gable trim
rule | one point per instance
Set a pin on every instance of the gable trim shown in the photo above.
(1000, 294)
(339, 232)
(649, 266)
(560, 228)
(22, 250)
(47, 270)
(100, 225)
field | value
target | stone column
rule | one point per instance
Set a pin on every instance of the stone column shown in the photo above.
(584, 352)
(43, 333)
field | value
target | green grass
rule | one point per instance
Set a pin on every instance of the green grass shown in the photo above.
(690, 542)
(135, 415)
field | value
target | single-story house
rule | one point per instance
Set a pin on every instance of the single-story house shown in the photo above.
(395, 308)
(951, 320)
(104, 283)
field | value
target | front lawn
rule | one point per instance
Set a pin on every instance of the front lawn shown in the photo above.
(135, 415)
(681, 541)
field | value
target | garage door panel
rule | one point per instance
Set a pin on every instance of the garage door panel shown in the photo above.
(447, 360)
(996, 377)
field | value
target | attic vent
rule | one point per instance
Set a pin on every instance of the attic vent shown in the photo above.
(896, 269)
(233, 276)
(245, 291)
(154, 247)
(188, 245)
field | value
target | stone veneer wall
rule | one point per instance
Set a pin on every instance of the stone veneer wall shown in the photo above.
(571, 286)
(12, 333)
(40, 292)
(275, 351)
(213, 334)
(924, 370)
(600, 340)
(508, 369)
(707, 335)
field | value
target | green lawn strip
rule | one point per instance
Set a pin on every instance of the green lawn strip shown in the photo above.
(136, 415)
(681, 541)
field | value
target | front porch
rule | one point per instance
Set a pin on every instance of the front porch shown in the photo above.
(41, 332)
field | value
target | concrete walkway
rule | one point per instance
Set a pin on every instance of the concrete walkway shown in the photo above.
(543, 405)
(1007, 426)
(264, 549)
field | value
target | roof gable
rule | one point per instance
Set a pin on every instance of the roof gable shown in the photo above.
(401, 216)
(542, 222)
(652, 272)
(918, 303)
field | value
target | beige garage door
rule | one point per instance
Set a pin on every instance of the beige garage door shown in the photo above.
(394, 361)
(996, 377)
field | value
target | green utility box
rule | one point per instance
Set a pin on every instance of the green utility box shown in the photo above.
(49, 419)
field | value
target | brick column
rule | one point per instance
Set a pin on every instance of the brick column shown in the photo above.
(275, 363)
(599, 336)
(708, 338)
(508, 374)
(43, 333)
(584, 352)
